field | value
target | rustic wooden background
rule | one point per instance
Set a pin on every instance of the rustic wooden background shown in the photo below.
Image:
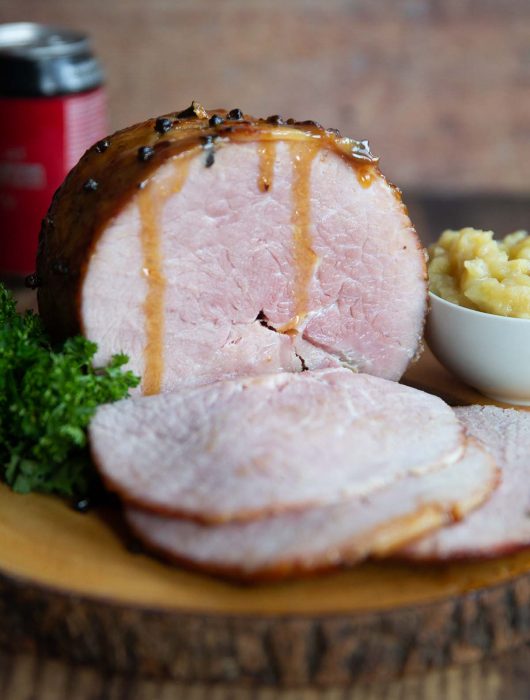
(441, 87)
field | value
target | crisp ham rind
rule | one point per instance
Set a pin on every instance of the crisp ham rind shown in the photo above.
(241, 449)
(502, 525)
(326, 537)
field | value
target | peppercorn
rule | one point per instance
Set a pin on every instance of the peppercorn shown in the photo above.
(59, 267)
(81, 505)
(32, 281)
(145, 153)
(90, 185)
(235, 115)
(215, 120)
(163, 125)
(102, 145)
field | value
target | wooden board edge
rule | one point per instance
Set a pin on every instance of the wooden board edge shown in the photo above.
(326, 650)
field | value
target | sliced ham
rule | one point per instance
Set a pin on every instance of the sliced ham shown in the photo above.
(209, 248)
(326, 537)
(502, 525)
(239, 449)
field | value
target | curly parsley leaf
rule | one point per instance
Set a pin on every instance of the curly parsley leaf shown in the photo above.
(47, 398)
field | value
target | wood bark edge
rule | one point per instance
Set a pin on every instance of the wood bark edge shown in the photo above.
(282, 651)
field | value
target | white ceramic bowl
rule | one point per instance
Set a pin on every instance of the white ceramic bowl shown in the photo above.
(489, 352)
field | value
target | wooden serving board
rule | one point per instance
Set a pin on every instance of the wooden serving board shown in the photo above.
(71, 586)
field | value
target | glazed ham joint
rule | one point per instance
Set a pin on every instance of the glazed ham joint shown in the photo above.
(266, 282)
(211, 245)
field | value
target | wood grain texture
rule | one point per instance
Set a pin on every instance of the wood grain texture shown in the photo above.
(25, 677)
(316, 651)
(441, 88)
(290, 649)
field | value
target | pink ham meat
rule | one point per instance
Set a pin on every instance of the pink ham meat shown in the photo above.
(208, 251)
(502, 525)
(249, 447)
(328, 537)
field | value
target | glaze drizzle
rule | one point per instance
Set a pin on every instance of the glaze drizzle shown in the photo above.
(304, 257)
(151, 202)
(267, 159)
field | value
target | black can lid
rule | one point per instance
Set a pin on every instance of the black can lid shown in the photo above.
(42, 61)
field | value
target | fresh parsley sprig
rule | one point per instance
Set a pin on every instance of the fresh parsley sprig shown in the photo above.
(47, 398)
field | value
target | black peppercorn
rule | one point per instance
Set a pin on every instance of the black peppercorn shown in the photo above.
(32, 281)
(59, 267)
(90, 185)
(215, 120)
(163, 125)
(81, 505)
(310, 122)
(235, 115)
(145, 153)
(102, 145)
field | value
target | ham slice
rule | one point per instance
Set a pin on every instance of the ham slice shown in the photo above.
(245, 448)
(325, 537)
(207, 246)
(502, 525)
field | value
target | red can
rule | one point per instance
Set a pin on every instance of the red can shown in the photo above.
(52, 108)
